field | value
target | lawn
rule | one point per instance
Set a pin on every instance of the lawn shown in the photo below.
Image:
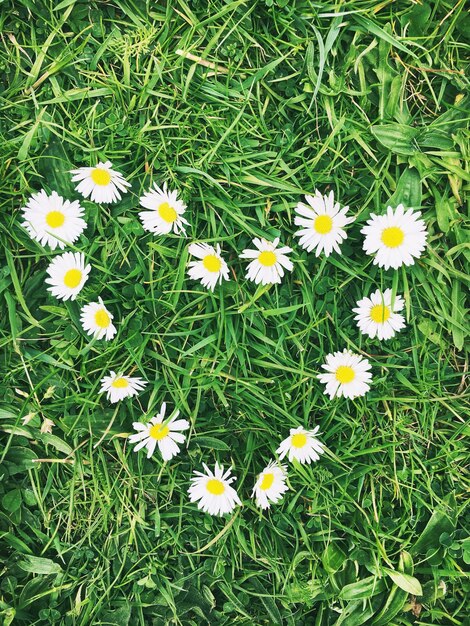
(244, 107)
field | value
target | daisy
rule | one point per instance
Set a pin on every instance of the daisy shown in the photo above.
(212, 490)
(396, 237)
(268, 262)
(67, 275)
(100, 182)
(164, 435)
(322, 223)
(52, 220)
(211, 269)
(165, 211)
(96, 320)
(301, 445)
(347, 375)
(376, 316)
(270, 485)
(119, 386)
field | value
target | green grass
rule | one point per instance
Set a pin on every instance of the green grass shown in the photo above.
(361, 97)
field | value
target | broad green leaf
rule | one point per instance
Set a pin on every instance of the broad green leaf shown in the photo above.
(398, 138)
(439, 139)
(405, 581)
(393, 605)
(266, 598)
(419, 21)
(20, 459)
(333, 558)
(305, 592)
(408, 191)
(16, 543)
(58, 443)
(11, 501)
(309, 56)
(7, 414)
(118, 617)
(8, 615)
(445, 210)
(396, 87)
(366, 588)
(453, 118)
(57, 310)
(63, 5)
(442, 520)
(358, 612)
(406, 562)
(29, 136)
(227, 590)
(17, 430)
(211, 442)
(398, 597)
(39, 565)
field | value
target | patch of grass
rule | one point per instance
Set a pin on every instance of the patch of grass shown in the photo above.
(244, 107)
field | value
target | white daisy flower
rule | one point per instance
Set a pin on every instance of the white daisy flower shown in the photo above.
(377, 317)
(397, 237)
(270, 485)
(101, 182)
(211, 268)
(322, 223)
(52, 220)
(268, 263)
(67, 275)
(212, 490)
(97, 320)
(301, 445)
(119, 386)
(165, 212)
(347, 375)
(165, 435)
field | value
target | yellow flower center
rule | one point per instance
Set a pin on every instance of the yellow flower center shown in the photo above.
(323, 224)
(345, 374)
(267, 258)
(120, 383)
(102, 319)
(158, 431)
(267, 481)
(392, 237)
(55, 219)
(72, 278)
(298, 440)
(215, 487)
(379, 313)
(100, 177)
(212, 263)
(167, 212)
